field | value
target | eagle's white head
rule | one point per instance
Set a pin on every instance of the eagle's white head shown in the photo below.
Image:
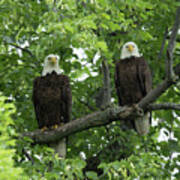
(129, 49)
(51, 63)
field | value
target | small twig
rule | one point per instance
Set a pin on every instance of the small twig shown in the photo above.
(164, 106)
(23, 49)
(171, 44)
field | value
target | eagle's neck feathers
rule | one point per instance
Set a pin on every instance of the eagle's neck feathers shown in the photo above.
(126, 55)
(50, 69)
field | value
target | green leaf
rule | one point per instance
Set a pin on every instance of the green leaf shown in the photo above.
(91, 175)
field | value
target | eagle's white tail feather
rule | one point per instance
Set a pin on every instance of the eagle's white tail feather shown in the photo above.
(142, 124)
(60, 147)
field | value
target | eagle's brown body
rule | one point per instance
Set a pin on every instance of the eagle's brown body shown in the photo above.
(133, 80)
(52, 99)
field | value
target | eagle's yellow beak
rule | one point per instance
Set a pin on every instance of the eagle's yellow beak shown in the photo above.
(53, 60)
(130, 48)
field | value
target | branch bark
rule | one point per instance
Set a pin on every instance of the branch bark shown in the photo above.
(103, 97)
(95, 119)
(164, 106)
(171, 44)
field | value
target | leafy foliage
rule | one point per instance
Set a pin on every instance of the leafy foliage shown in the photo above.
(7, 169)
(83, 33)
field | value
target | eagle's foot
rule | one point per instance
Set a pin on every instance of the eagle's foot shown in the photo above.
(44, 128)
(55, 126)
(138, 110)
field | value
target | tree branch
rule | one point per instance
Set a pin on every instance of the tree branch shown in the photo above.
(103, 97)
(160, 89)
(155, 93)
(164, 106)
(95, 119)
(171, 44)
(23, 49)
(100, 118)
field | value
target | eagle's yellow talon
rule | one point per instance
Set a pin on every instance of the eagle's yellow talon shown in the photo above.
(44, 129)
(55, 126)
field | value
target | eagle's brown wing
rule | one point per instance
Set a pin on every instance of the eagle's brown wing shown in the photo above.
(36, 102)
(117, 83)
(66, 99)
(144, 76)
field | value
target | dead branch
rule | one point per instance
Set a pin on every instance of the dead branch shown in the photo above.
(171, 44)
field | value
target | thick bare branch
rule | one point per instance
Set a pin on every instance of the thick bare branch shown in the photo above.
(164, 106)
(95, 119)
(171, 44)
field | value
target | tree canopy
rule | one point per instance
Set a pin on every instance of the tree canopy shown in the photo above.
(88, 36)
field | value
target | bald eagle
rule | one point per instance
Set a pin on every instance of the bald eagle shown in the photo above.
(52, 98)
(133, 81)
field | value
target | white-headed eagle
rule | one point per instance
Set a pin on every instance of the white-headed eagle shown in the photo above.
(133, 81)
(52, 98)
